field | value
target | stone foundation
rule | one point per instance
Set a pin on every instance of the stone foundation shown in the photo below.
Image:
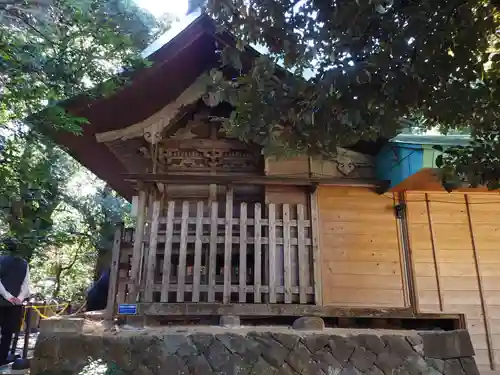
(252, 351)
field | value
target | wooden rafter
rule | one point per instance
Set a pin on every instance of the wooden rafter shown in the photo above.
(152, 127)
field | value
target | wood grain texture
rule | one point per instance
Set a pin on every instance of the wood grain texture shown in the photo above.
(114, 273)
(358, 249)
(138, 245)
(464, 257)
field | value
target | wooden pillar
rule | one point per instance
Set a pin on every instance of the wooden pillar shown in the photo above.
(137, 250)
(114, 272)
(151, 259)
(316, 251)
(148, 221)
(228, 244)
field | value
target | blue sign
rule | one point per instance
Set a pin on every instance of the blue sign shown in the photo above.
(127, 309)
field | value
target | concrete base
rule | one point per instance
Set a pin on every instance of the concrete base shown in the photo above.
(211, 350)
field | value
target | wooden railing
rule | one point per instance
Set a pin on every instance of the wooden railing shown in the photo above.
(225, 253)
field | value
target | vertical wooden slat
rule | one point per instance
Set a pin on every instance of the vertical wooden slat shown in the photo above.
(228, 245)
(181, 280)
(287, 254)
(212, 259)
(434, 253)
(272, 253)
(197, 253)
(316, 255)
(257, 253)
(484, 307)
(403, 251)
(243, 253)
(113, 276)
(137, 251)
(153, 243)
(122, 288)
(145, 249)
(167, 257)
(303, 254)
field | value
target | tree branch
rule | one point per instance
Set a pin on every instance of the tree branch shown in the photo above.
(75, 258)
(24, 21)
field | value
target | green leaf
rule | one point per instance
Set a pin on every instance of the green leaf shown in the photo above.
(439, 161)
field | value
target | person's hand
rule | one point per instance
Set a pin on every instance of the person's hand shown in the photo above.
(15, 301)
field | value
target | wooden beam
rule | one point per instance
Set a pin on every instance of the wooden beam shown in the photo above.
(268, 310)
(153, 244)
(113, 277)
(316, 249)
(138, 244)
(237, 179)
(152, 127)
(228, 244)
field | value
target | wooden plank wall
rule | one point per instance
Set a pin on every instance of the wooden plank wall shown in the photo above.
(360, 253)
(455, 246)
(303, 166)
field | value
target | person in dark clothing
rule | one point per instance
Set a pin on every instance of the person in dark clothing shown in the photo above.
(97, 296)
(14, 288)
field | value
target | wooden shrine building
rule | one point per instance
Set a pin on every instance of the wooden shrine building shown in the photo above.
(222, 230)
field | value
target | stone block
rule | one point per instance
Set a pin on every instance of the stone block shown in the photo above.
(362, 359)
(235, 343)
(287, 340)
(372, 343)
(341, 348)
(416, 365)
(174, 364)
(174, 343)
(469, 365)
(301, 361)
(218, 356)
(309, 324)
(453, 367)
(387, 362)
(280, 352)
(327, 362)
(316, 342)
(261, 367)
(350, 370)
(272, 351)
(399, 345)
(373, 371)
(436, 363)
(202, 341)
(415, 340)
(229, 321)
(447, 345)
(285, 369)
(62, 324)
(198, 365)
(419, 349)
(248, 350)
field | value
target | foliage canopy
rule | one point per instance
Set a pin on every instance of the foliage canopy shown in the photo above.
(51, 50)
(362, 70)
